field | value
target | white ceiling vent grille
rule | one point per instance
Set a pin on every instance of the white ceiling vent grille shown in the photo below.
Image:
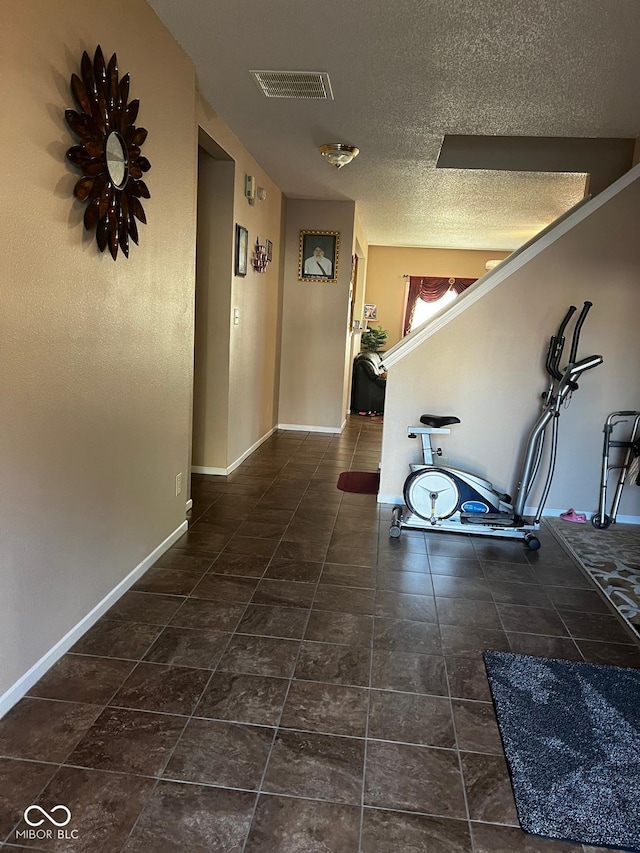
(309, 85)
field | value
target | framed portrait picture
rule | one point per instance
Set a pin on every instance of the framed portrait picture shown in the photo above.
(318, 256)
(242, 250)
(370, 312)
(269, 250)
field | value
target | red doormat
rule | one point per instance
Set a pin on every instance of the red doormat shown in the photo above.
(360, 482)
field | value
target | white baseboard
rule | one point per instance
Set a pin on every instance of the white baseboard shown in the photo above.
(628, 519)
(555, 513)
(396, 500)
(309, 428)
(200, 469)
(204, 469)
(23, 684)
(189, 505)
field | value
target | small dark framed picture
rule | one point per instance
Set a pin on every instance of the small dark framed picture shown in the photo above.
(242, 250)
(318, 256)
(370, 312)
(269, 250)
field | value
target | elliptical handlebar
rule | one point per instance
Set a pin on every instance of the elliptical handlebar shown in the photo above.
(576, 331)
(556, 345)
(585, 364)
(573, 371)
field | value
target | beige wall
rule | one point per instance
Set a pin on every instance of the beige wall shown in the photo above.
(214, 275)
(313, 378)
(253, 350)
(387, 288)
(486, 365)
(96, 356)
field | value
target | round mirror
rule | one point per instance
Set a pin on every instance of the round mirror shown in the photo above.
(117, 160)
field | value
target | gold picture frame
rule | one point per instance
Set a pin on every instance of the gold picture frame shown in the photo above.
(318, 256)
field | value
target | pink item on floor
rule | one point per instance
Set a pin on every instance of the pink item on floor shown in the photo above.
(572, 515)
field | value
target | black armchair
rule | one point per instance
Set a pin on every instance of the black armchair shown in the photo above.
(368, 385)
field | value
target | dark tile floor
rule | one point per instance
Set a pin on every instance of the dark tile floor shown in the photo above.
(287, 679)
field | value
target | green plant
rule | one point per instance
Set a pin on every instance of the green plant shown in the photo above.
(374, 339)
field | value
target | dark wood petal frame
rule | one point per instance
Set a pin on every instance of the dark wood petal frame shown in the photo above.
(104, 108)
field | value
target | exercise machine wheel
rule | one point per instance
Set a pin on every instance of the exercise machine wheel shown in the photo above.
(600, 524)
(532, 542)
(431, 493)
(396, 518)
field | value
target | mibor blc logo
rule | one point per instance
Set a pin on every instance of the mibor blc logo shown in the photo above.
(41, 822)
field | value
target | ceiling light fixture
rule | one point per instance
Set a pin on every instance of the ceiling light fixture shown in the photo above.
(338, 154)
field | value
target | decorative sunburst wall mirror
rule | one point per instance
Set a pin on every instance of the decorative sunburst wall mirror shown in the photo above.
(108, 153)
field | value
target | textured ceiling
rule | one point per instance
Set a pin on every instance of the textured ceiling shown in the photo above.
(406, 73)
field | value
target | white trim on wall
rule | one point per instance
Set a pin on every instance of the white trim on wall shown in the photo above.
(555, 513)
(23, 684)
(394, 500)
(203, 469)
(309, 428)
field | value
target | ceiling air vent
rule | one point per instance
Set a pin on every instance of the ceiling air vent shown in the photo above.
(313, 85)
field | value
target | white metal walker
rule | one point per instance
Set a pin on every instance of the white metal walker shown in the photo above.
(601, 520)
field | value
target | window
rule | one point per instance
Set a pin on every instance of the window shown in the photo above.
(424, 310)
(426, 295)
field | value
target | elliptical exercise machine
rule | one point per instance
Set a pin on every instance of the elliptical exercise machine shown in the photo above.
(447, 499)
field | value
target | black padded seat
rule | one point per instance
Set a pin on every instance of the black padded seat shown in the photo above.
(438, 422)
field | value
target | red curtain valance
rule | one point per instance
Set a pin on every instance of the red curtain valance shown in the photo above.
(430, 290)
